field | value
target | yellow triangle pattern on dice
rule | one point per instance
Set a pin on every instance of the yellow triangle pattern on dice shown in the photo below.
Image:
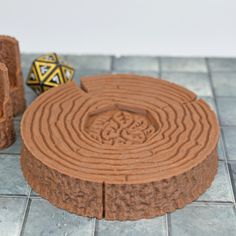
(68, 73)
(48, 58)
(44, 69)
(55, 78)
(33, 77)
(49, 71)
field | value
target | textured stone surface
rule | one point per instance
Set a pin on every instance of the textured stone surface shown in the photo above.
(220, 189)
(224, 83)
(204, 220)
(222, 64)
(7, 132)
(135, 63)
(183, 64)
(232, 169)
(227, 113)
(229, 134)
(150, 227)
(11, 215)
(90, 62)
(11, 178)
(55, 222)
(130, 155)
(10, 56)
(197, 82)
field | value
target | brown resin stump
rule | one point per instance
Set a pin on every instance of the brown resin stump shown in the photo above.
(7, 132)
(121, 147)
(10, 56)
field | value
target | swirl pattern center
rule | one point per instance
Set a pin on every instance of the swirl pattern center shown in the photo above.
(118, 127)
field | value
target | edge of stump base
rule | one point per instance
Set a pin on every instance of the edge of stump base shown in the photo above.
(101, 200)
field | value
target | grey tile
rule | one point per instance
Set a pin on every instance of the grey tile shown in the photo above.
(148, 227)
(27, 89)
(220, 150)
(154, 74)
(220, 189)
(11, 178)
(204, 220)
(222, 64)
(229, 135)
(227, 111)
(136, 63)
(82, 73)
(28, 58)
(15, 148)
(197, 82)
(44, 219)
(34, 194)
(224, 84)
(11, 215)
(30, 97)
(210, 101)
(183, 64)
(25, 71)
(89, 62)
(18, 117)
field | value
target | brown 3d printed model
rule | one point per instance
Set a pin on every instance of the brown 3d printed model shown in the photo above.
(7, 133)
(10, 56)
(120, 147)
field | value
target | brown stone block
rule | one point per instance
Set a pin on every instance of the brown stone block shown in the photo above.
(10, 56)
(7, 133)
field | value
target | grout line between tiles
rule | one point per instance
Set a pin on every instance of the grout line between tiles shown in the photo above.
(159, 67)
(184, 72)
(231, 176)
(13, 155)
(227, 97)
(14, 196)
(94, 227)
(168, 223)
(214, 202)
(223, 139)
(233, 126)
(204, 203)
(227, 167)
(25, 216)
(112, 68)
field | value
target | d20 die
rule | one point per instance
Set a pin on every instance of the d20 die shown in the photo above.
(48, 71)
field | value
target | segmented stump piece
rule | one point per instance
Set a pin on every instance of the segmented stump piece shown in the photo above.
(121, 147)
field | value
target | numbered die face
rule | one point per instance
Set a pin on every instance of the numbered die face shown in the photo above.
(49, 71)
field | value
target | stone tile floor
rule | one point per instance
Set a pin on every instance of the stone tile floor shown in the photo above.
(24, 213)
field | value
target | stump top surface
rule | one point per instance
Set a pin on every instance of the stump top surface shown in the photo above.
(120, 129)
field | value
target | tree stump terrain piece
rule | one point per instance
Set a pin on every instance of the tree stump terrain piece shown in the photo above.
(7, 133)
(10, 56)
(121, 147)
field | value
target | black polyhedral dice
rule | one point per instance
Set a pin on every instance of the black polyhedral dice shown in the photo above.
(48, 71)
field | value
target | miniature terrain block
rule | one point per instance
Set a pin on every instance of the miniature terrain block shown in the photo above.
(10, 56)
(121, 147)
(7, 133)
